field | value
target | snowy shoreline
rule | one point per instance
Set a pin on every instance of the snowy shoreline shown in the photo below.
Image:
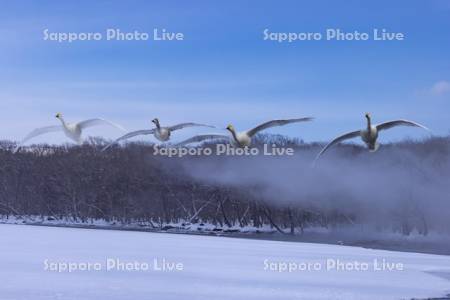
(432, 244)
(212, 268)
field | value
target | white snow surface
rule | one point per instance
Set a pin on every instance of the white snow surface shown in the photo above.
(213, 268)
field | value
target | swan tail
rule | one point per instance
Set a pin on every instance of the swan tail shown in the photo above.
(374, 148)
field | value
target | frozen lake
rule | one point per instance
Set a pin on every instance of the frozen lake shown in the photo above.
(33, 258)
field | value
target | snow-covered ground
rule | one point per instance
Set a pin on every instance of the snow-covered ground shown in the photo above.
(208, 268)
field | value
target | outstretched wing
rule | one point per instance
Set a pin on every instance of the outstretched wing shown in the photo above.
(184, 125)
(274, 123)
(95, 122)
(339, 139)
(36, 132)
(390, 124)
(201, 138)
(130, 135)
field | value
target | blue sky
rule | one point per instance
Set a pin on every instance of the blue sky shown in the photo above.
(224, 72)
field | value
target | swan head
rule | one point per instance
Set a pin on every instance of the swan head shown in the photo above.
(58, 115)
(155, 121)
(230, 128)
(367, 115)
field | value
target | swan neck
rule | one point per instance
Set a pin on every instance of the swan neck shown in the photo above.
(369, 123)
(63, 122)
(233, 133)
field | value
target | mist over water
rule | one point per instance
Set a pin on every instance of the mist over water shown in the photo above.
(405, 184)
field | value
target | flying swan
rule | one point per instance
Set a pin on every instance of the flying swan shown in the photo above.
(160, 133)
(244, 138)
(369, 135)
(71, 130)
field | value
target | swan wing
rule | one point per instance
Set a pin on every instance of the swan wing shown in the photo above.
(390, 124)
(201, 138)
(274, 123)
(95, 122)
(130, 135)
(38, 131)
(184, 125)
(339, 139)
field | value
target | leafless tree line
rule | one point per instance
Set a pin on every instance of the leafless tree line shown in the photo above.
(129, 184)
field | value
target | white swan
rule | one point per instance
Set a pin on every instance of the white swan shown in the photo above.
(369, 135)
(244, 138)
(160, 133)
(71, 130)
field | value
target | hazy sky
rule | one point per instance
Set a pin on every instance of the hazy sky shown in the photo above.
(223, 71)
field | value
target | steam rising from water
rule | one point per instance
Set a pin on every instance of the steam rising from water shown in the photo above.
(406, 182)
